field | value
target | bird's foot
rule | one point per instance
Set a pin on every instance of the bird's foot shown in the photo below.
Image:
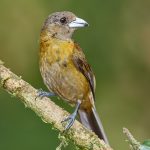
(41, 94)
(70, 120)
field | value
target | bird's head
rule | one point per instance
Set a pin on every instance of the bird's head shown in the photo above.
(62, 24)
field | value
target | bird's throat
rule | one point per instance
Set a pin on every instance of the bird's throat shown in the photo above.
(55, 49)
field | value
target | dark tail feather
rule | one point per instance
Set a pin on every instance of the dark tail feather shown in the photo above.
(92, 121)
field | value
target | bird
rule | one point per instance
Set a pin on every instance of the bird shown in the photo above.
(66, 72)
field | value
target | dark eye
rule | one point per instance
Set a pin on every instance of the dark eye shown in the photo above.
(63, 20)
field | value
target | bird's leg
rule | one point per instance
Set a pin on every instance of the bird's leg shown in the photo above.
(42, 94)
(72, 117)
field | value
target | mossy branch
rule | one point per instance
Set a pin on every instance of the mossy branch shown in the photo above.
(49, 111)
(134, 144)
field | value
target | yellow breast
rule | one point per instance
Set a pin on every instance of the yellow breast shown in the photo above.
(55, 50)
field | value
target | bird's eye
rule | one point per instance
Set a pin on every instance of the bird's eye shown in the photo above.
(63, 20)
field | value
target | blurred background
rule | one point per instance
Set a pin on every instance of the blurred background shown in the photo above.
(117, 45)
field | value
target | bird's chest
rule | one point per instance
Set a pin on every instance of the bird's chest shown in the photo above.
(58, 51)
(55, 60)
(59, 73)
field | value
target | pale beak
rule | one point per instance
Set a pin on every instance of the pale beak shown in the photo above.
(78, 23)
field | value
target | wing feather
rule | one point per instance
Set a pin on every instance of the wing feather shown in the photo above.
(81, 64)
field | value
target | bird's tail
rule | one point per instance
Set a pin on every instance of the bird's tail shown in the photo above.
(91, 120)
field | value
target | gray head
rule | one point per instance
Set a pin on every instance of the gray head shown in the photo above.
(62, 24)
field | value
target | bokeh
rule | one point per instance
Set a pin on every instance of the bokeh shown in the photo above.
(116, 44)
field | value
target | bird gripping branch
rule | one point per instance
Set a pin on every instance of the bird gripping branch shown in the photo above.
(65, 70)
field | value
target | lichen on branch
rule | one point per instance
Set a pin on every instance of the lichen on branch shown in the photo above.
(49, 111)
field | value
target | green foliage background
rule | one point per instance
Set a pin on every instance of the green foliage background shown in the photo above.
(117, 45)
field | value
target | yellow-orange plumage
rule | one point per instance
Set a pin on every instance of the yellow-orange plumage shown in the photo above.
(65, 70)
(56, 65)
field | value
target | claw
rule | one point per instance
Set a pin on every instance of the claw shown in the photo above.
(72, 117)
(42, 94)
(70, 120)
(70, 123)
(66, 119)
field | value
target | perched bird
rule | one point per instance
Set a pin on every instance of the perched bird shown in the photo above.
(65, 70)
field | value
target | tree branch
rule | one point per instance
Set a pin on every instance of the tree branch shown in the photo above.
(49, 111)
(134, 144)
